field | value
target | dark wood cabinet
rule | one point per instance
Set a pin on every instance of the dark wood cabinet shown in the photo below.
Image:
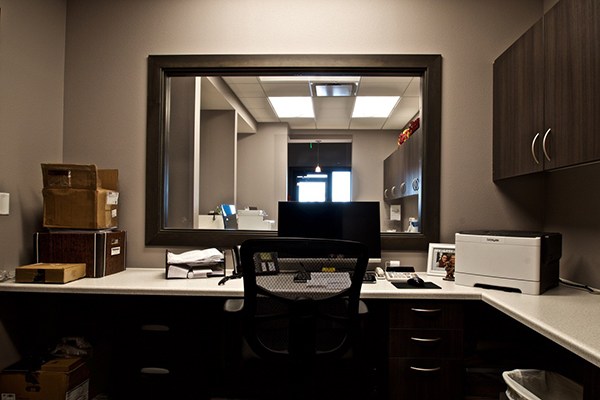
(519, 106)
(546, 108)
(425, 354)
(402, 169)
(572, 62)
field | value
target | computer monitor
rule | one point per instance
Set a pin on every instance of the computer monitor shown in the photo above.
(356, 220)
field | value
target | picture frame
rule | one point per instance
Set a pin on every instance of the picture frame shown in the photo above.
(436, 252)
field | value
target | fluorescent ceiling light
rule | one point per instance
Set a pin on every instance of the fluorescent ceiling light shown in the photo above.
(292, 107)
(374, 106)
(306, 78)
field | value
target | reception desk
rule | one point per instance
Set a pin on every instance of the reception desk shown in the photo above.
(566, 318)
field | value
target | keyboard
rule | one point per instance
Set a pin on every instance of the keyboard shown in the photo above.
(398, 276)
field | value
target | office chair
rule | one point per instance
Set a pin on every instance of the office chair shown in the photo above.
(300, 316)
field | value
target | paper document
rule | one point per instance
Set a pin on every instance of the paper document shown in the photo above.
(196, 257)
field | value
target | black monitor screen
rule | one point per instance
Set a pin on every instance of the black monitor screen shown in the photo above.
(357, 220)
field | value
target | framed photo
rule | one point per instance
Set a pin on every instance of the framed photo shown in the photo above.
(440, 259)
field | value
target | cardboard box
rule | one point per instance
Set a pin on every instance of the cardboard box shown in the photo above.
(80, 196)
(59, 379)
(103, 252)
(49, 273)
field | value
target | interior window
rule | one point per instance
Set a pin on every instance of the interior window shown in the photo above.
(331, 184)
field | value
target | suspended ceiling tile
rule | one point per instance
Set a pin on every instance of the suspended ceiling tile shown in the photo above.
(383, 86)
(367, 123)
(406, 109)
(300, 123)
(277, 89)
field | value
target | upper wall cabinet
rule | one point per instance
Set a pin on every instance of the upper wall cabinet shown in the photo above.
(402, 170)
(546, 108)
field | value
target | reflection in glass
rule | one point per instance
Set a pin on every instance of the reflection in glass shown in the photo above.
(215, 156)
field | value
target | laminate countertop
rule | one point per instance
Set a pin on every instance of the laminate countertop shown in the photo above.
(568, 316)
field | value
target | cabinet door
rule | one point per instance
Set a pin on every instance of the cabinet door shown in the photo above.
(413, 163)
(394, 176)
(572, 48)
(519, 106)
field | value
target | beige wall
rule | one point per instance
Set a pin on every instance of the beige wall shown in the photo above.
(32, 51)
(105, 92)
(107, 44)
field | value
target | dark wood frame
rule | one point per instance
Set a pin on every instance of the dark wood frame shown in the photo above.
(160, 67)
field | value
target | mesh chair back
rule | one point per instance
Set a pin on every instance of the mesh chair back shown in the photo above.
(301, 296)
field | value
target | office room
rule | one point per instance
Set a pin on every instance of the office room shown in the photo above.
(74, 89)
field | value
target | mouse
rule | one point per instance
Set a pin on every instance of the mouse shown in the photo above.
(379, 272)
(416, 281)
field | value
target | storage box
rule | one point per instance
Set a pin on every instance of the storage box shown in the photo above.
(80, 196)
(59, 379)
(103, 252)
(49, 273)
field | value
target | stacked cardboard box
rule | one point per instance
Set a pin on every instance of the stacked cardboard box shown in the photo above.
(58, 379)
(81, 217)
(80, 196)
(49, 273)
(102, 251)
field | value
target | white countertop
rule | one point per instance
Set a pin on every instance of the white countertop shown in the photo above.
(568, 316)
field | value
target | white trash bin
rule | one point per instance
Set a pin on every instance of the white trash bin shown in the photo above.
(535, 384)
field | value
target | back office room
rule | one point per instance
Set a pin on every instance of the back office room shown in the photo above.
(73, 78)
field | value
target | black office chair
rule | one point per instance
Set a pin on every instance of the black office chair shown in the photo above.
(300, 317)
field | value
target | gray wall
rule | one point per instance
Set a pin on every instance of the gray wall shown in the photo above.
(105, 93)
(32, 52)
(107, 44)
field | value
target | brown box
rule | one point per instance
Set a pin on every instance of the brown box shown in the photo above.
(59, 379)
(49, 273)
(80, 196)
(103, 252)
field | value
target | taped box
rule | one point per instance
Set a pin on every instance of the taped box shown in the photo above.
(49, 273)
(59, 379)
(103, 252)
(80, 196)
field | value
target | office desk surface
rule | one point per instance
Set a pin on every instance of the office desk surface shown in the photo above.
(565, 315)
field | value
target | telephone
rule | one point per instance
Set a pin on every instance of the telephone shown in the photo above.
(266, 263)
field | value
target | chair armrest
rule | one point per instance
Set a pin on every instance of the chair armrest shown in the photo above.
(233, 305)
(362, 309)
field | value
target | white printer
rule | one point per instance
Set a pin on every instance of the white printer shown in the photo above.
(526, 262)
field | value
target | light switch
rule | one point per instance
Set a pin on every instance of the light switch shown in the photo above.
(4, 203)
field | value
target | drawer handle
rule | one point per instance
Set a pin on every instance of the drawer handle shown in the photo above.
(426, 310)
(425, 340)
(426, 369)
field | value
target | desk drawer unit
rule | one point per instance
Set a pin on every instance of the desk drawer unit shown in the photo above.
(425, 349)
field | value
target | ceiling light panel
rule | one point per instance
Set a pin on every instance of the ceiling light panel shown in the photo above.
(374, 106)
(293, 107)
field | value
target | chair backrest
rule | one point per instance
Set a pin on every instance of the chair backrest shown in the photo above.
(301, 296)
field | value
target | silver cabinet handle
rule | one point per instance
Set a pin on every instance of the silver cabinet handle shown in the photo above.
(535, 138)
(544, 144)
(393, 190)
(425, 369)
(426, 310)
(385, 193)
(425, 340)
(403, 187)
